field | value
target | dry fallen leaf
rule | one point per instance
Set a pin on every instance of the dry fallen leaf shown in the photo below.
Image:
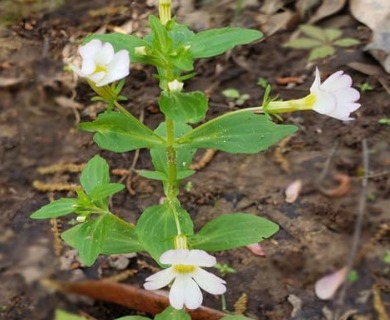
(327, 8)
(376, 15)
(256, 249)
(326, 287)
(341, 190)
(8, 82)
(293, 190)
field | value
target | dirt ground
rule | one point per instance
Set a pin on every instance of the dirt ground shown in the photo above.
(41, 104)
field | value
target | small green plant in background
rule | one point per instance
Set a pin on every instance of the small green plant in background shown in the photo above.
(321, 42)
(262, 82)
(224, 269)
(365, 86)
(384, 121)
(386, 259)
(239, 99)
(353, 276)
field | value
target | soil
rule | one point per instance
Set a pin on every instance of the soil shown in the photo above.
(40, 108)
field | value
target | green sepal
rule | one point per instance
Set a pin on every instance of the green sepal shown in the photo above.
(117, 132)
(106, 234)
(230, 231)
(213, 42)
(122, 41)
(188, 107)
(55, 209)
(237, 132)
(156, 228)
(171, 313)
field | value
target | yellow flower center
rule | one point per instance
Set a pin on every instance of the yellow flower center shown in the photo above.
(100, 68)
(184, 268)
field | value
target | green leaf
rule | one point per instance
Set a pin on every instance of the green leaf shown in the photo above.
(120, 237)
(117, 132)
(105, 190)
(55, 209)
(313, 32)
(153, 175)
(321, 52)
(161, 41)
(347, 42)
(90, 237)
(184, 155)
(173, 314)
(183, 106)
(230, 231)
(121, 41)
(95, 174)
(179, 33)
(303, 43)
(213, 42)
(182, 60)
(157, 175)
(237, 132)
(63, 315)
(332, 34)
(156, 228)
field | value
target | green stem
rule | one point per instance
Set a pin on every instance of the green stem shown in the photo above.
(172, 184)
(171, 159)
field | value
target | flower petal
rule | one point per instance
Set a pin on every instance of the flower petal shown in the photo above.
(326, 287)
(159, 279)
(177, 256)
(200, 258)
(105, 55)
(209, 282)
(77, 70)
(177, 293)
(316, 83)
(325, 102)
(118, 68)
(337, 81)
(193, 296)
(97, 77)
(89, 50)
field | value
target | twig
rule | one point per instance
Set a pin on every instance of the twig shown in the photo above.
(328, 161)
(357, 231)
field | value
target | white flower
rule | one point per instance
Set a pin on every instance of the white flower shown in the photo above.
(187, 276)
(101, 64)
(335, 97)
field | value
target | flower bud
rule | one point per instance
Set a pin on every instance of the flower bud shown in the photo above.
(175, 86)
